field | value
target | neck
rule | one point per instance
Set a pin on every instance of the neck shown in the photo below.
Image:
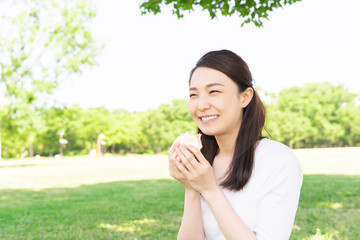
(227, 144)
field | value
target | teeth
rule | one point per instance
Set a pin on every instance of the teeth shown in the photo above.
(209, 118)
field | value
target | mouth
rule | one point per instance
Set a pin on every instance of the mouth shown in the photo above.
(208, 118)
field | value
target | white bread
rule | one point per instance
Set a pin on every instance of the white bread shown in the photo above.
(189, 139)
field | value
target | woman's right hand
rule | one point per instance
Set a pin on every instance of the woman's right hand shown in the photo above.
(174, 170)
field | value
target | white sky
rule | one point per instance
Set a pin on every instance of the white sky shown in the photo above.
(147, 59)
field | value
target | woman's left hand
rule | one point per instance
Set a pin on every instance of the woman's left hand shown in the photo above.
(196, 169)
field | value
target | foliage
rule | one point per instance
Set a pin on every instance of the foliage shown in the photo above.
(42, 43)
(152, 132)
(251, 11)
(163, 125)
(314, 115)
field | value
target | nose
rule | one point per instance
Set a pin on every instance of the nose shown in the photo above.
(203, 103)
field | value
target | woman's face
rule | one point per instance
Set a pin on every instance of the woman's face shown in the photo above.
(215, 103)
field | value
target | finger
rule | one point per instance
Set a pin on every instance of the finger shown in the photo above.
(182, 169)
(197, 153)
(174, 147)
(189, 156)
(172, 159)
(175, 160)
(173, 169)
(172, 164)
(175, 172)
(172, 156)
(184, 160)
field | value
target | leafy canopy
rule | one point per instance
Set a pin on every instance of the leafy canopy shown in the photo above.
(41, 44)
(250, 10)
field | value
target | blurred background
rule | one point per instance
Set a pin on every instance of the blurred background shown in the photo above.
(76, 70)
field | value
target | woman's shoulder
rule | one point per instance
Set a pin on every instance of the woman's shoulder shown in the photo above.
(271, 152)
(276, 163)
(269, 146)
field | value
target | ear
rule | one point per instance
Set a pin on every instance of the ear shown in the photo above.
(247, 95)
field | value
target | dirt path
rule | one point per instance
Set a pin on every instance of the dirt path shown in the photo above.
(75, 171)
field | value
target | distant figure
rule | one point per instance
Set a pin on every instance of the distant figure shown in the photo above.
(24, 154)
(240, 185)
(100, 145)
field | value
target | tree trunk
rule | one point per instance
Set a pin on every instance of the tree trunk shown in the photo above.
(291, 143)
(31, 150)
(0, 144)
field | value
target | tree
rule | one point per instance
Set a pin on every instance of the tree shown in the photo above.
(41, 43)
(250, 10)
(163, 125)
(316, 114)
(125, 133)
(95, 121)
(47, 142)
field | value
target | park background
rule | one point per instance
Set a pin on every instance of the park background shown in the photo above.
(77, 70)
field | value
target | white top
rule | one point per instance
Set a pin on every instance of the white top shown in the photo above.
(268, 202)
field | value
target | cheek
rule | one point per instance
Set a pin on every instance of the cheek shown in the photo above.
(233, 105)
(238, 112)
(192, 108)
(225, 102)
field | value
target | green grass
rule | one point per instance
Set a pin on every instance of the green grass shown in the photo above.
(148, 209)
(331, 204)
(152, 209)
(80, 198)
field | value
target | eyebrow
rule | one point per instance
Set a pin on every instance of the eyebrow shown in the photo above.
(209, 85)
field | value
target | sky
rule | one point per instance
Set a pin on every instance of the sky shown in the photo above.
(147, 58)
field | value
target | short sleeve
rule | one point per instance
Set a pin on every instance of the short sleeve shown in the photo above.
(279, 196)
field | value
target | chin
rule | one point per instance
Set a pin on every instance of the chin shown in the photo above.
(209, 132)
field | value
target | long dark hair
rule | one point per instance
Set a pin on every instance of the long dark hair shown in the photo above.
(253, 120)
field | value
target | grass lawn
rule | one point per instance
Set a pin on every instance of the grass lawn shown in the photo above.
(133, 198)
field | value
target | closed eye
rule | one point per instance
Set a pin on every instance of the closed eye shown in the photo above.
(214, 91)
(192, 95)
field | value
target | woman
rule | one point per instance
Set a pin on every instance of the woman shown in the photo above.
(240, 185)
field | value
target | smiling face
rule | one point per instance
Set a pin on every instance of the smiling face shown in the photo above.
(215, 103)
